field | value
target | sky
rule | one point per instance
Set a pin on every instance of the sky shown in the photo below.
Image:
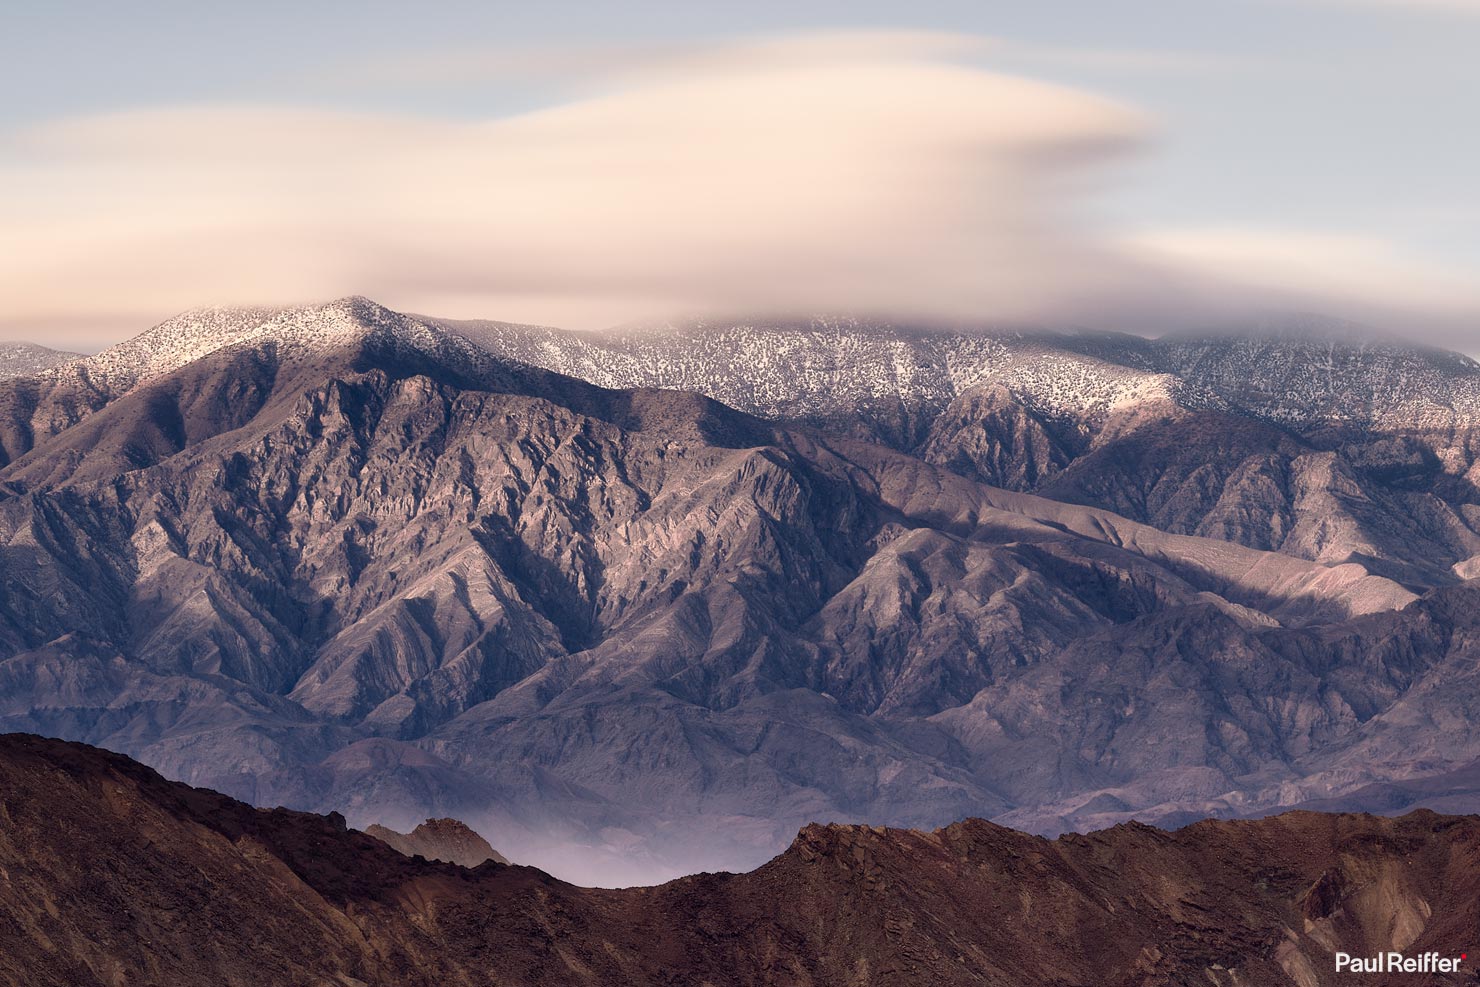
(1139, 166)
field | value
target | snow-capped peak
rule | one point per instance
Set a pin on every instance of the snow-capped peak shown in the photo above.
(197, 333)
(192, 335)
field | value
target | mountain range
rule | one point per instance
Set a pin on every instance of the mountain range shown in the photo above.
(644, 602)
(110, 874)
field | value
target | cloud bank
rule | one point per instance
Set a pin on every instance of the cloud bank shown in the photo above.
(880, 174)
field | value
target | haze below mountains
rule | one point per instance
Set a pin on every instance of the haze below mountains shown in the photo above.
(645, 602)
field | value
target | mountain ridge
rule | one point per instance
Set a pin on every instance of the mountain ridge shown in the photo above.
(1379, 441)
(929, 364)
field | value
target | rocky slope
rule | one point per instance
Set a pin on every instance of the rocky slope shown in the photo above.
(110, 874)
(440, 839)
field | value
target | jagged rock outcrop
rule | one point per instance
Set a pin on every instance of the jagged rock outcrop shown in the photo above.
(440, 839)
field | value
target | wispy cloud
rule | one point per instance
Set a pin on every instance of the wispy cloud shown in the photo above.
(1336, 270)
(602, 64)
(1411, 6)
(833, 172)
(616, 62)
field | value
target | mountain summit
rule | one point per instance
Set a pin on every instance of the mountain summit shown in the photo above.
(295, 332)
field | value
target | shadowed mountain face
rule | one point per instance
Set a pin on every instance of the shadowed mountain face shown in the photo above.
(110, 874)
(339, 558)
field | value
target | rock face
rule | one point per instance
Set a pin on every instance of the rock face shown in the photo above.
(344, 559)
(110, 874)
(440, 839)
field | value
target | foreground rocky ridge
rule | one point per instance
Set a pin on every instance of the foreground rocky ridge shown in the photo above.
(109, 874)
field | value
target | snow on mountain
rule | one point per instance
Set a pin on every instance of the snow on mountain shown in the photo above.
(178, 341)
(25, 359)
(1298, 379)
(826, 369)
(1297, 373)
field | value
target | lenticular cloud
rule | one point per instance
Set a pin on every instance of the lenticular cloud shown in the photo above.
(877, 174)
(820, 174)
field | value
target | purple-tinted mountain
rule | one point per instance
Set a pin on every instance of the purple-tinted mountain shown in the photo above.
(343, 559)
(1306, 436)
